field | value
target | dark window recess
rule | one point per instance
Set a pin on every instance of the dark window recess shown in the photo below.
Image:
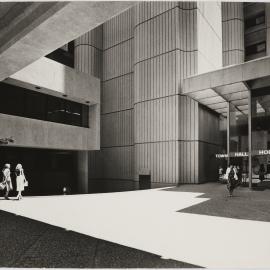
(254, 21)
(256, 48)
(35, 105)
(64, 55)
(26, 103)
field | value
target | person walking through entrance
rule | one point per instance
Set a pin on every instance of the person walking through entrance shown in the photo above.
(231, 176)
(7, 184)
(20, 180)
(261, 172)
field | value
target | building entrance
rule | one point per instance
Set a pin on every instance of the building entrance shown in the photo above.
(248, 138)
(260, 126)
(47, 171)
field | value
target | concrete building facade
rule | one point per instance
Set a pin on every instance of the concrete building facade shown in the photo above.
(158, 83)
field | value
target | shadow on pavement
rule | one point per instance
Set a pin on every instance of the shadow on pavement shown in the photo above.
(245, 204)
(29, 243)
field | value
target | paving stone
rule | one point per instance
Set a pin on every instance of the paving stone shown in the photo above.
(245, 204)
(31, 244)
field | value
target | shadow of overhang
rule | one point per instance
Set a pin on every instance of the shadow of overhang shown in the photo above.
(230, 84)
(29, 31)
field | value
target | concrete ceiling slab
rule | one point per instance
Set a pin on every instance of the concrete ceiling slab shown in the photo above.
(43, 27)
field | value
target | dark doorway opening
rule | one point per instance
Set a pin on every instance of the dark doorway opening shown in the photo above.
(144, 181)
(47, 171)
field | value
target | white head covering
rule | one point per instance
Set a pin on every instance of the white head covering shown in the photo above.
(19, 166)
(7, 165)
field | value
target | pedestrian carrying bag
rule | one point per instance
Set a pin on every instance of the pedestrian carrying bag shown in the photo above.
(2, 185)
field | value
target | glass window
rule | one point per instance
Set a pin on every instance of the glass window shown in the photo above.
(85, 116)
(261, 131)
(74, 113)
(26, 103)
(255, 21)
(35, 105)
(12, 100)
(238, 141)
(256, 48)
(238, 130)
(56, 110)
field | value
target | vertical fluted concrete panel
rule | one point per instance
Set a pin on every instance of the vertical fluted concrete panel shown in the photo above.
(95, 165)
(88, 52)
(209, 144)
(117, 119)
(88, 59)
(82, 171)
(117, 129)
(165, 54)
(118, 162)
(118, 60)
(233, 48)
(188, 119)
(118, 29)
(118, 94)
(161, 158)
(157, 77)
(188, 140)
(208, 164)
(209, 126)
(157, 120)
(189, 162)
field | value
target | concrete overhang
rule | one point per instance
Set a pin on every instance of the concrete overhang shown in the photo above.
(230, 84)
(31, 30)
(50, 77)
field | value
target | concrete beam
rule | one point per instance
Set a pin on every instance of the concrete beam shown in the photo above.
(59, 80)
(44, 27)
(251, 70)
(42, 134)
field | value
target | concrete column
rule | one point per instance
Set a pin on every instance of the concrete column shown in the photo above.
(117, 112)
(250, 139)
(228, 133)
(88, 52)
(156, 81)
(233, 33)
(88, 59)
(82, 171)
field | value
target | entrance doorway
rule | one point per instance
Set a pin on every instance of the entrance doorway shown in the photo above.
(248, 137)
(47, 171)
(260, 126)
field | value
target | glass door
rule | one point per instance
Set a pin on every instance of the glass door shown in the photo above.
(260, 112)
(238, 141)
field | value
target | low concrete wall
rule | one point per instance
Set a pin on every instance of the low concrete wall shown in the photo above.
(42, 134)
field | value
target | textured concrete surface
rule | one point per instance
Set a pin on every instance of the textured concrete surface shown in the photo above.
(29, 243)
(245, 204)
(48, 26)
(42, 134)
(160, 222)
(57, 79)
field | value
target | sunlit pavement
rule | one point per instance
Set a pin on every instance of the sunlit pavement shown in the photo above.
(149, 220)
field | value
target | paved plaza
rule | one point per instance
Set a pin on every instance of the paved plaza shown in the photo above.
(185, 226)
